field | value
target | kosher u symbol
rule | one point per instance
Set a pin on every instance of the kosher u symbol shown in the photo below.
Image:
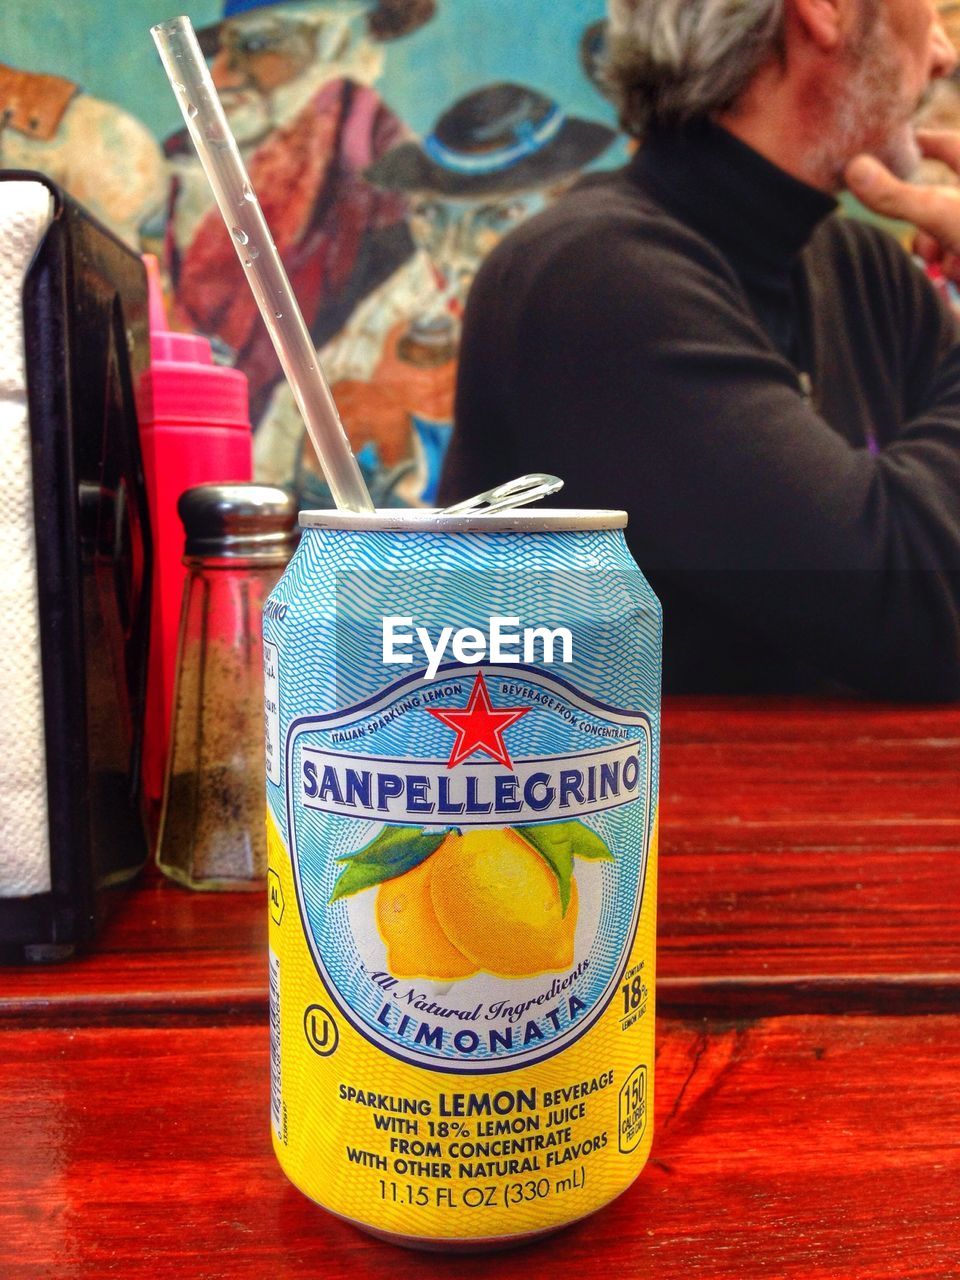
(321, 1030)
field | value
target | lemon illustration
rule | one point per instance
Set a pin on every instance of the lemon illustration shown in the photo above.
(417, 946)
(498, 903)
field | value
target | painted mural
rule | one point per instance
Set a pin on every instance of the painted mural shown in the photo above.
(392, 144)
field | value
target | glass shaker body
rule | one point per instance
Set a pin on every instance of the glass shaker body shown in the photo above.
(212, 833)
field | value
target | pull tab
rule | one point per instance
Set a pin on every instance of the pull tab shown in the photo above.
(514, 493)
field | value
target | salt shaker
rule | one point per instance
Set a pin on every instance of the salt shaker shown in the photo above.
(238, 539)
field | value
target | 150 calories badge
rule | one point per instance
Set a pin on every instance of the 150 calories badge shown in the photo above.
(469, 858)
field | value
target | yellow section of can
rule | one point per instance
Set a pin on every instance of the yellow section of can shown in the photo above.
(440, 1156)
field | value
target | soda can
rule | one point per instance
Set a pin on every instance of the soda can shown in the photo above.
(462, 744)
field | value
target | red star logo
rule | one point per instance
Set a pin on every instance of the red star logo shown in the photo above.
(478, 726)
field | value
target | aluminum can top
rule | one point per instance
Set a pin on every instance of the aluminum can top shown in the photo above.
(541, 520)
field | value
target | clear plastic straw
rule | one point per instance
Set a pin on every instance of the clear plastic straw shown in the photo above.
(217, 149)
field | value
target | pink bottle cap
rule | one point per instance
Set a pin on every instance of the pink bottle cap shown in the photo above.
(183, 385)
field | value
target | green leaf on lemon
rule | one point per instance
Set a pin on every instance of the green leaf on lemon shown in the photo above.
(392, 853)
(558, 843)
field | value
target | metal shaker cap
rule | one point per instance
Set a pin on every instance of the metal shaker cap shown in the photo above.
(253, 521)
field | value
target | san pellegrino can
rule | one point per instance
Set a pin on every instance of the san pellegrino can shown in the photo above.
(462, 735)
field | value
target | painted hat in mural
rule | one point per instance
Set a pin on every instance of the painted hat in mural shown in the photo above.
(386, 19)
(593, 55)
(498, 139)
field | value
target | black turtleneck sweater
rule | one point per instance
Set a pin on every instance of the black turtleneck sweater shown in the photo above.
(771, 391)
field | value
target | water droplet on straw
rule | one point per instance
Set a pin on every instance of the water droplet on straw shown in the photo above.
(278, 314)
(240, 236)
(248, 193)
(247, 262)
(254, 251)
(192, 110)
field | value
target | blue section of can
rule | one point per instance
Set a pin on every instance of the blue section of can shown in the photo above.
(433, 683)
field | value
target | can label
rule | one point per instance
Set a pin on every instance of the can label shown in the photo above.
(462, 887)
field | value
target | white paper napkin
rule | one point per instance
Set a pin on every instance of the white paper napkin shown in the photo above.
(26, 210)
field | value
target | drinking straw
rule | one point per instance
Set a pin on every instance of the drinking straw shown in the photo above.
(216, 146)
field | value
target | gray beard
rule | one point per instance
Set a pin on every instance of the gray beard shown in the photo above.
(874, 116)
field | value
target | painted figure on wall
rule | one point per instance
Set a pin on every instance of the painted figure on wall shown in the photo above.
(381, 231)
(296, 85)
(104, 157)
(492, 159)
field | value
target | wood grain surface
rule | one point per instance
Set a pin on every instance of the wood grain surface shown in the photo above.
(790, 1147)
(810, 859)
(810, 862)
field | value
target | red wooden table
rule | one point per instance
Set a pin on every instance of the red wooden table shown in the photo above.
(808, 1087)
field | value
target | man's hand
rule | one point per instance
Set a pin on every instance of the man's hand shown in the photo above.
(934, 211)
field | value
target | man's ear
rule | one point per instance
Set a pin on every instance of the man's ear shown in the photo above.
(823, 22)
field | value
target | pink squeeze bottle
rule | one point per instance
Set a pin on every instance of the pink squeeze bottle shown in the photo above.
(194, 429)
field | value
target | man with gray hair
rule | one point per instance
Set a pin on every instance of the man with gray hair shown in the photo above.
(770, 390)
